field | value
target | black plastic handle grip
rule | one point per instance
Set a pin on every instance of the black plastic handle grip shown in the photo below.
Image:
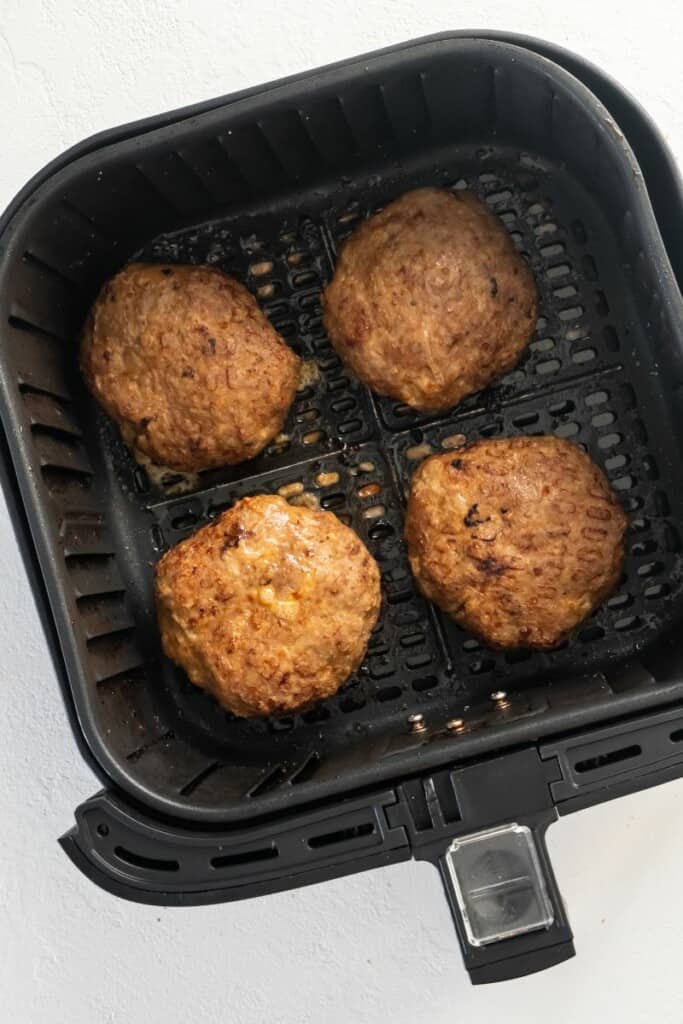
(525, 953)
(478, 798)
(139, 858)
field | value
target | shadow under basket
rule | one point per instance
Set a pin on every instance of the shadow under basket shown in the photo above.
(266, 186)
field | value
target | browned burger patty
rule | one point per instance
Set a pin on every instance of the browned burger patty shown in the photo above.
(429, 300)
(269, 608)
(188, 365)
(517, 539)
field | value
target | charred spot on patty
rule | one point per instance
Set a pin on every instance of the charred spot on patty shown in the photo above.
(472, 517)
(490, 566)
(233, 535)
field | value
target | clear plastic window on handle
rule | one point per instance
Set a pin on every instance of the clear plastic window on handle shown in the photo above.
(499, 884)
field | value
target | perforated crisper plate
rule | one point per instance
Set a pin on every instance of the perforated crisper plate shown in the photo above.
(571, 382)
(268, 191)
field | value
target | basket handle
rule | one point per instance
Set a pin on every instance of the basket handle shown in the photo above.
(507, 908)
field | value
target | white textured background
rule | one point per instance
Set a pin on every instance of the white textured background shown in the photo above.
(373, 948)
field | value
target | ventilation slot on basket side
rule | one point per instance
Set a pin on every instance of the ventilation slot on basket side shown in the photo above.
(591, 764)
(130, 701)
(177, 182)
(39, 363)
(233, 860)
(58, 450)
(49, 412)
(90, 225)
(64, 464)
(125, 682)
(342, 835)
(309, 767)
(251, 153)
(70, 488)
(136, 754)
(217, 172)
(93, 573)
(404, 102)
(137, 860)
(328, 129)
(113, 653)
(291, 144)
(63, 279)
(197, 781)
(270, 780)
(103, 614)
(366, 114)
(155, 194)
(39, 330)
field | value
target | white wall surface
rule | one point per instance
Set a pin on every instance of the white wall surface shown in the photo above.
(372, 948)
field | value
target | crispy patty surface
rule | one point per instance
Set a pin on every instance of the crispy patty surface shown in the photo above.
(430, 301)
(187, 364)
(517, 539)
(270, 607)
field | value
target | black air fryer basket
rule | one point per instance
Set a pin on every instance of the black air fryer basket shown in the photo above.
(438, 748)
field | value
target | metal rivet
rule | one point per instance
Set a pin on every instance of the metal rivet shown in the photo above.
(455, 724)
(417, 722)
(500, 698)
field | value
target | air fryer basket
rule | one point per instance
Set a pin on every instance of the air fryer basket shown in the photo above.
(266, 187)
